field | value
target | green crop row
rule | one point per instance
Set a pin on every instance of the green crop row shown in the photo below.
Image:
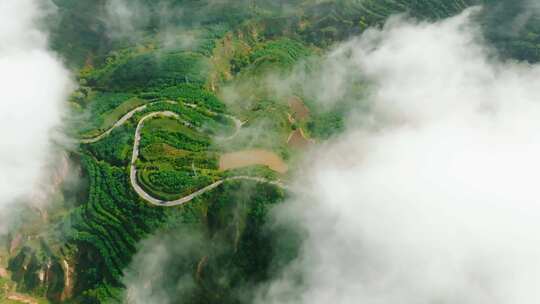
(109, 225)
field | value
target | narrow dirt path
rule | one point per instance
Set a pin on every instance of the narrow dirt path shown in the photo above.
(21, 298)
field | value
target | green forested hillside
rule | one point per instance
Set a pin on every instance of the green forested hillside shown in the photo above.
(93, 234)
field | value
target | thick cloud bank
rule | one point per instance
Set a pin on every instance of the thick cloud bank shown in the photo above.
(438, 200)
(33, 86)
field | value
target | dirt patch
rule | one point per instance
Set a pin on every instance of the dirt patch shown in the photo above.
(200, 267)
(298, 140)
(15, 243)
(3, 273)
(246, 158)
(68, 284)
(298, 108)
(21, 298)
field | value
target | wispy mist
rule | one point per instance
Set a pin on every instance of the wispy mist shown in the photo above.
(126, 20)
(150, 279)
(437, 200)
(34, 84)
(171, 22)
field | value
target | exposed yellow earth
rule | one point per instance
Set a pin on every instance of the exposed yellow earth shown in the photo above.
(252, 157)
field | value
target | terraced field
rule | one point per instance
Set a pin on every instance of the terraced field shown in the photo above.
(172, 163)
(159, 182)
(381, 9)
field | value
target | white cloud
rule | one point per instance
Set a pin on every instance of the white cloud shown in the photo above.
(440, 202)
(125, 19)
(34, 84)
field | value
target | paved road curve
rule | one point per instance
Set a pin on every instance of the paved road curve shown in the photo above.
(135, 155)
(120, 122)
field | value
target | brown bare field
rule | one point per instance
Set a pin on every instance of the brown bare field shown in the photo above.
(297, 139)
(298, 108)
(252, 157)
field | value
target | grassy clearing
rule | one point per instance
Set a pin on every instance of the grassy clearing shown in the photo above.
(110, 118)
(160, 150)
(171, 125)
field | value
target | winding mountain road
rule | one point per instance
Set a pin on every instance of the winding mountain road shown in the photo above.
(120, 122)
(237, 122)
(135, 155)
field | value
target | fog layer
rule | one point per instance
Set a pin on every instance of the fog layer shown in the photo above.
(34, 84)
(436, 200)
